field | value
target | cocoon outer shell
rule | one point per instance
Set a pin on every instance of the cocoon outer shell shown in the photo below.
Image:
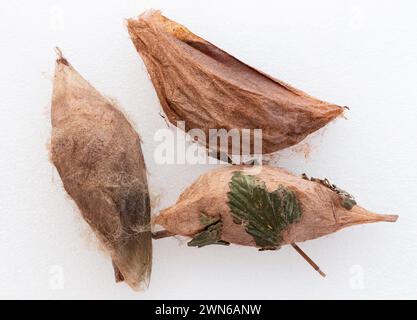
(99, 159)
(322, 210)
(204, 86)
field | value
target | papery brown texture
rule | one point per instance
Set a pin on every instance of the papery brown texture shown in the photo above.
(98, 156)
(322, 210)
(200, 84)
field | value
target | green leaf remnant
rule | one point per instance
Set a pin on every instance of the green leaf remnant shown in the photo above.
(210, 235)
(264, 214)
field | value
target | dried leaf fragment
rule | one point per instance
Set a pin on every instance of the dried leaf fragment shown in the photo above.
(98, 156)
(211, 234)
(347, 200)
(200, 84)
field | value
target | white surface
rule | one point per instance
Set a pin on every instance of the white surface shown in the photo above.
(356, 53)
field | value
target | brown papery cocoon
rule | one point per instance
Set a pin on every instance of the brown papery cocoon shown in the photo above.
(200, 84)
(322, 210)
(99, 158)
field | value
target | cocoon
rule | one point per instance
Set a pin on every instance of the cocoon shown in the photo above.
(98, 156)
(265, 207)
(207, 88)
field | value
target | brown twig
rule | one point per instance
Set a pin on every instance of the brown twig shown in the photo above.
(58, 52)
(162, 234)
(307, 258)
(165, 234)
(61, 58)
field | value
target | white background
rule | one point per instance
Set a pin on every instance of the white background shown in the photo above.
(357, 53)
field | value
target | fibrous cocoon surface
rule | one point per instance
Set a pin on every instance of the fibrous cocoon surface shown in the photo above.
(99, 159)
(207, 88)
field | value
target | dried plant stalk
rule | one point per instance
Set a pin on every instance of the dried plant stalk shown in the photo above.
(278, 209)
(98, 156)
(200, 84)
